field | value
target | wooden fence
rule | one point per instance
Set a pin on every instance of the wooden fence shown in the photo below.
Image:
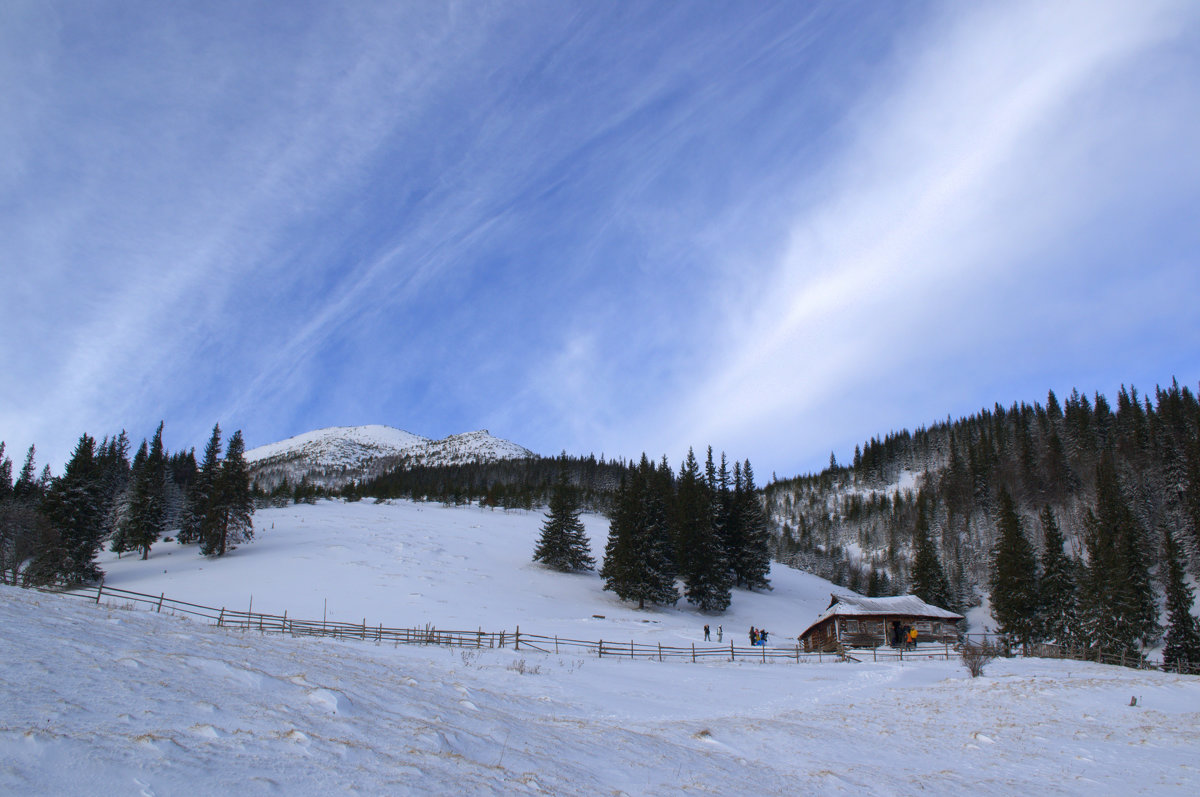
(605, 648)
(225, 617)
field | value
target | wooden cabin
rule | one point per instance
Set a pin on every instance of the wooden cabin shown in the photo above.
(853, 621)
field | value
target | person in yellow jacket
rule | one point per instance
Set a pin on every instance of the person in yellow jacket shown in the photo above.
(912, 637)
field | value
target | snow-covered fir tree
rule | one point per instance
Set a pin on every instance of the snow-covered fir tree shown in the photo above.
(637, 559)
(1058, 600)
(1181, 651)
(1014, 576)
(74, 512)
(700, 557)
(928, 581)
(564, 545)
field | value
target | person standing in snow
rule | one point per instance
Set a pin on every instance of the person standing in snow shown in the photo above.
(706, 632)
(753, 636)
(720, 633)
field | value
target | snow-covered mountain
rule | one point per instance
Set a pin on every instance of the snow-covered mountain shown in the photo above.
(340, 454)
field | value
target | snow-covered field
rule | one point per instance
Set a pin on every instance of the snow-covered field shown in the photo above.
(104, 700)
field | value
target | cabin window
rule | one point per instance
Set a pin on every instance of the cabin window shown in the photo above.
(924, 627)
(852, 626)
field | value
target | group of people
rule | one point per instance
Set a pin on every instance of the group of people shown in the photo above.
(758, 636)
(903, 636)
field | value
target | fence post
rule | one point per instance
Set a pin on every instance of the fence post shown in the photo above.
(601, 648)
(221, 617)
(732, 655)
(693, 653)
(631, 656)
(660, 651)
(517, 639)
(556, 644)
(160, 600)
(285, 621)
(99, 589)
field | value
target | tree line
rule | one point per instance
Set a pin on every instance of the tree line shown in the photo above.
(52, 528)
(703, 529)
(1106, 498)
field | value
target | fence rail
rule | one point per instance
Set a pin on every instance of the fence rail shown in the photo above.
(619, 649)
(225, 617)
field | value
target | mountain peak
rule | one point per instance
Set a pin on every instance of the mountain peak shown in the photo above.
(337, 455)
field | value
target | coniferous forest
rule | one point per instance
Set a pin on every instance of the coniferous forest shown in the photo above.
(1077, 518)
(1059, 511)
(52, 528)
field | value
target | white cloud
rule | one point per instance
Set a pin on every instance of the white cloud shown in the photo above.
(929, 208)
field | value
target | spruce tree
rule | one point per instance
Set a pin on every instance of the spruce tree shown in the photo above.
(146, 520)
(637, 559)
(1118, 608)
(227, 518)
(1058, 602)
(121, 540)
(928, 581)
(202, 491)
(701, 560)
(1014, 578)
(564, 544)
(74, 511)
(27, 484)
(751, 558)
(6, 483)
(1181, 651)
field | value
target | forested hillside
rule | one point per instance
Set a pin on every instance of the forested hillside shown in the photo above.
(1081, 458)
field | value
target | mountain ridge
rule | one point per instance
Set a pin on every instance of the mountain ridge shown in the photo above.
(337, 455)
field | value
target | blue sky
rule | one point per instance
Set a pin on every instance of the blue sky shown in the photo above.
(774, 228)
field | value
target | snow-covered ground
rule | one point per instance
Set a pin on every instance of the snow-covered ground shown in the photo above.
(103, 700)
(405, 564)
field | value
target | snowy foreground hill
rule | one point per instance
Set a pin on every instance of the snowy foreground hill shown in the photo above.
(109, 700)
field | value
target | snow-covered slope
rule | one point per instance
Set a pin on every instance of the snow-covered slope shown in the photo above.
(405, 564)
(335, 456)
(113, 701)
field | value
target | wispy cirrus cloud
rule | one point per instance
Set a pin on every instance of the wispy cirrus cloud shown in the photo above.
(613, 228)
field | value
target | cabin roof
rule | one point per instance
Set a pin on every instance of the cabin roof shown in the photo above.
(898, 606)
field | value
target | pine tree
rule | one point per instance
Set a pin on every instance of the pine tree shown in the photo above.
(121, 542)
(1181, 651)
(928, 580)
(564, 544)
(146, 520)
(227, 516)
(1058, 602)
(27, 484)
(701, 560)
(72, 506)
(1014, 581)
(6, 483)
(726, 523)
(637, 559)
(1117, 598)
(751, 558)
(202, 492)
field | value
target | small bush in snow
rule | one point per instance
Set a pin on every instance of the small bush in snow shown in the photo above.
(976, 657)
(519, 666)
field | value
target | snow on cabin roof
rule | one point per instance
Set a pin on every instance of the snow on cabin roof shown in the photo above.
(903, 605)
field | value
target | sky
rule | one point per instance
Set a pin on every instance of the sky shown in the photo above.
(779, 229)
